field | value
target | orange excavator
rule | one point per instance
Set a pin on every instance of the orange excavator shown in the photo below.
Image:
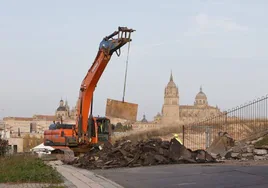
(88, 130)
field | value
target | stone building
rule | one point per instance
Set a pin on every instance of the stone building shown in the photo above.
(171, 108)
(64, 111)
(38, 123)
(143, 124)
(174, 112)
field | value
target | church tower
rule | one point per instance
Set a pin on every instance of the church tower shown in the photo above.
(170, 109)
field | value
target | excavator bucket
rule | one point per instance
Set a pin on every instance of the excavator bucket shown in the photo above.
(121, 110)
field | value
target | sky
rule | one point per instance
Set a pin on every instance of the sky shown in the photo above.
(48, 46)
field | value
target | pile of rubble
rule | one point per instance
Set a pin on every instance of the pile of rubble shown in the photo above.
(124, 153)
(224, 147)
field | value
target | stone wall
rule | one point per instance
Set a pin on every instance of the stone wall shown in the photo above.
(249, 150)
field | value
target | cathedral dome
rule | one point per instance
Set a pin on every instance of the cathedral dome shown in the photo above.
(201, 95)
(61, 108)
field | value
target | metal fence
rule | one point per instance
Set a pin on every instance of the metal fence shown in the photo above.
(239, 122)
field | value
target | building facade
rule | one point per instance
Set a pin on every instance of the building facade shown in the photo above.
(64, 111)
(174, 112)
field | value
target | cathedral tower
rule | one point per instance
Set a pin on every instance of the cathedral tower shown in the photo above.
(170, 109)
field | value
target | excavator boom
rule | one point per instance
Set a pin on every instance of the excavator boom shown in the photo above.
(108, 46)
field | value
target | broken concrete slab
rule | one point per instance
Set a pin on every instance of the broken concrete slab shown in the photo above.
(142, 153)
(260, 151)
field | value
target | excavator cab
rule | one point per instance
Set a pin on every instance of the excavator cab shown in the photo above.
(99, 130)
(103, 125)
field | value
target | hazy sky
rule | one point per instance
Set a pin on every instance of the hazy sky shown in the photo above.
(47, 47)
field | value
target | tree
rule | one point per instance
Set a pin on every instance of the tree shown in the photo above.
(30, 142)
(3, 147)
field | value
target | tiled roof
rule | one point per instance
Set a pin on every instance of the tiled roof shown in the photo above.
(45, 117)
(18, 118)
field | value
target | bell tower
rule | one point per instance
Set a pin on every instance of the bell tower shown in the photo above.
(170, 109)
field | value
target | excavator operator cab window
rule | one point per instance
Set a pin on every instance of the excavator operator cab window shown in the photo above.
(103, 129)
(103, 126)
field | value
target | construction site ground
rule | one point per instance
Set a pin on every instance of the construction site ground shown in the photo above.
(227, 174)
(73, 178)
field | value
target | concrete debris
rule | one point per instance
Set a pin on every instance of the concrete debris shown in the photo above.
(247, 150)
(124, 153)
(236, 155)
(221, 144)
(257, 157)
(250, 148)
(260, 151)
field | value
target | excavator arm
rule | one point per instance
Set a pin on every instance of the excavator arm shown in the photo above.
(107, 47)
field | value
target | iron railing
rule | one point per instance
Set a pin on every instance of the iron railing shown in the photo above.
(239, 122)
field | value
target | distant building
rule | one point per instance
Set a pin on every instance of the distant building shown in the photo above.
(173, 112)
(64, 111)
(38, 123)
(171, 108)
(144, 120)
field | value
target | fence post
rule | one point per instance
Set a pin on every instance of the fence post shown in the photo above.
(183, 132)
(207, 136)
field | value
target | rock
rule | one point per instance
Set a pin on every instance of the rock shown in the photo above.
(200, 155)
(221, 144)
(256, 157)
(244, 149)
(248, 142)
(209, 158)
(262, 147)
(250, 148)
(165, 145)
(176, 150)
(228, 155)
(215, 156)
(160, 159)
(237, 149)
(247, 155)
(149, 160)
(253, 142)
(235, 155)
(259, 139)
(147, 148)
(260, 151)
(161, 151)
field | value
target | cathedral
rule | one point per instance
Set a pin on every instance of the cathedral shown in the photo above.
(64, 111)
(174, 112)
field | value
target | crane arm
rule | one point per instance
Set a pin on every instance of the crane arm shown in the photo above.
(107, 47)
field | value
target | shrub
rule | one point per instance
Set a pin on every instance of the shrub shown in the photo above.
(3, 147)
